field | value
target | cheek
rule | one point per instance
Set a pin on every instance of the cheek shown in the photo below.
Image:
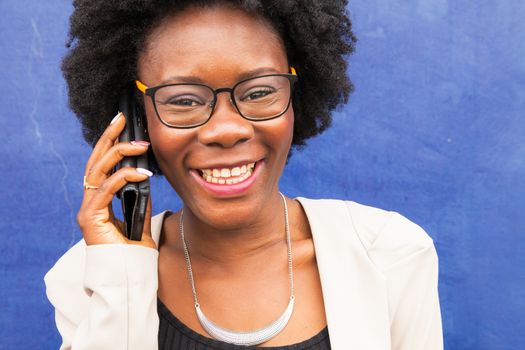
(290, 119)
(279, 134)
(154, 131)
(285, 129)
(165, 141)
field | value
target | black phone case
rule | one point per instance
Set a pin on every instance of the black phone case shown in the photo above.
(134, 195)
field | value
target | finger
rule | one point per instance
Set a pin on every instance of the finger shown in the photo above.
(102, 197)
(107, 140)
(105, 165)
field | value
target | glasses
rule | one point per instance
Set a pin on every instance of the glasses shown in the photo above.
(189, 105)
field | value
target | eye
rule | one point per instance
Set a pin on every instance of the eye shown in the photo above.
(257, 93)
(184, 101)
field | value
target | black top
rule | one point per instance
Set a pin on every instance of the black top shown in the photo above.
(175, 335)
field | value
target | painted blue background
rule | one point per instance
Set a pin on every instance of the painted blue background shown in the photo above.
(434, 130)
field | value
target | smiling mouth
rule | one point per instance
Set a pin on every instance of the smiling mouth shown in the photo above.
(227, 176)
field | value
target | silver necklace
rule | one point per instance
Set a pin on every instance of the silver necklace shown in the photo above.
(260, 335)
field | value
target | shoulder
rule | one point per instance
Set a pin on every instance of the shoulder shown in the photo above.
(386, 237)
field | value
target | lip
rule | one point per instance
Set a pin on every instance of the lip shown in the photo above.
(233, 189)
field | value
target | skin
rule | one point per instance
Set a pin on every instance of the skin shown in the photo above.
(237, 243)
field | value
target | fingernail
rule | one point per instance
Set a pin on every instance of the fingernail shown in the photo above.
(115, 118)
(140, 143)
(144, 171)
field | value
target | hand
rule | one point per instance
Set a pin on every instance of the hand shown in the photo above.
(95, 217)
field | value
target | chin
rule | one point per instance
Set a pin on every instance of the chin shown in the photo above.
(228, 215)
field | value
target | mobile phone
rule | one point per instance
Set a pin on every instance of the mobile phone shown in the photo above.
(134, 195)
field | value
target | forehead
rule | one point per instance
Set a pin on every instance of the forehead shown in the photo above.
(216, 43)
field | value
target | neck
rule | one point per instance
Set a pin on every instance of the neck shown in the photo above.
(228, 245)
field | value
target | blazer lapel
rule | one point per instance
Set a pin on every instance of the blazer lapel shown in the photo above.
(354, 291)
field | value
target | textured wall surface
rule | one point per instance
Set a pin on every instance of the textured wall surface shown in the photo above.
(434, 130)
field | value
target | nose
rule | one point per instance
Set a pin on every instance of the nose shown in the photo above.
(226, 127)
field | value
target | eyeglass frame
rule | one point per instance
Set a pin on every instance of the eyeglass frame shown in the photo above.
(150, 91)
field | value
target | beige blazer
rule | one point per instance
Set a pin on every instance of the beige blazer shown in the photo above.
(379, 276)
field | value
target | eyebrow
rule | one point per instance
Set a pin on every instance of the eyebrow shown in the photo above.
(196, 80)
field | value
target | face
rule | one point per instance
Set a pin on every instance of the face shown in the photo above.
(218, 46)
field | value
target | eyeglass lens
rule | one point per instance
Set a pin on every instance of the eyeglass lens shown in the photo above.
(188, 104)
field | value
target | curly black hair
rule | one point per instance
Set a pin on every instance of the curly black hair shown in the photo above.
(106, 37)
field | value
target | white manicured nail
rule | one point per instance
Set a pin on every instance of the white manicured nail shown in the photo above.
(144, 171)
(115, 118)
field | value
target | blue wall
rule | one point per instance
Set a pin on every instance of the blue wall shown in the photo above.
(434, 130)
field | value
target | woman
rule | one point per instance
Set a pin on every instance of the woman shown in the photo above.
(227, 87)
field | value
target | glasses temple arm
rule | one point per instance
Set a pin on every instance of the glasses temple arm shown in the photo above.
(141, 86)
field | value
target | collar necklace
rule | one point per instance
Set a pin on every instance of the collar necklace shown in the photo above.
(255, 337)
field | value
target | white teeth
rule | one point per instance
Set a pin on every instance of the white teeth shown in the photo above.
(228, 176)
(236, 171)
